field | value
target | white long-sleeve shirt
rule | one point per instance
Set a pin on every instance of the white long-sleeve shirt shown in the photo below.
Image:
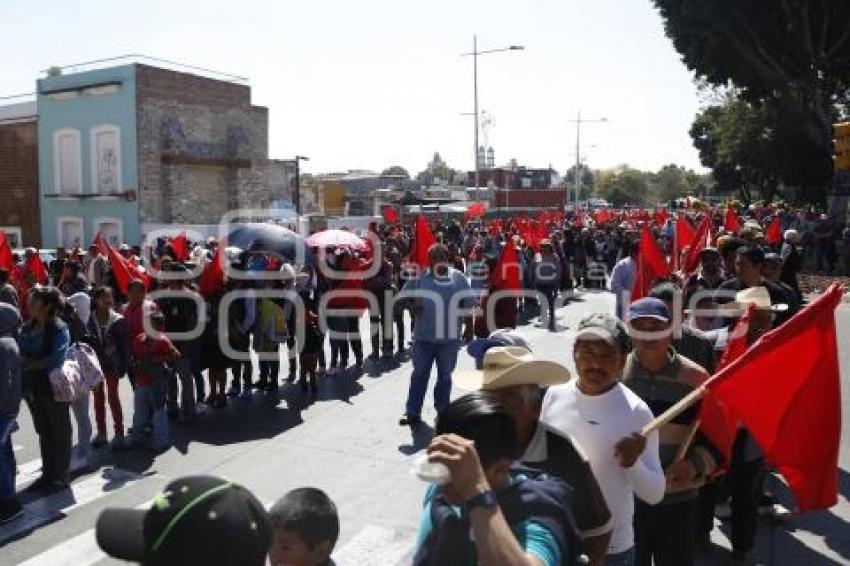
(597, 423)
(622, 280)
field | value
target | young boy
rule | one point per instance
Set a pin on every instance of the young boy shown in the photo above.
(305, 528)
(150, 354)
(309, 357)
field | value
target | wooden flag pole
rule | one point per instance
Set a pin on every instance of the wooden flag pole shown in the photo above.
(674, 411)
(686, 443)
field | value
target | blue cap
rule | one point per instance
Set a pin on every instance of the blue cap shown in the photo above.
(649, 307)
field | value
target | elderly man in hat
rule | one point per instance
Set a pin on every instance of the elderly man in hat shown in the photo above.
(665, 533)
(508, 371)
(603, 417)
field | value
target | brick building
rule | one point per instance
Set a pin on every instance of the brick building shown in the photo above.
(128, 149)
(19, 216)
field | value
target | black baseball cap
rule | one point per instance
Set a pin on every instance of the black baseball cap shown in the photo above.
(195, 520)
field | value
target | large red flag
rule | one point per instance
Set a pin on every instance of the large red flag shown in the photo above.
(699, 243)
(651, 265)
(507, 272)
(684, 232)
(423, 240)
(6, 260)
(180, 245)
(731, 224)
(785, 390)
(773, 236)
(211, 281)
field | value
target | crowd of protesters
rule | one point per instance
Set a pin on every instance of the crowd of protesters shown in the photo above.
(427, 289)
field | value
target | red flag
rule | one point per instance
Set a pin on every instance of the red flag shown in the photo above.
(774, 232)
(390, 215)
(684, 232)
(651, 265)
(180, 245)
(602, 216)
(123, 270)
(35, 266)
(506, 274)
(6, 261)
(785, 390)
(102, 245)
(476, 210)
(423, 240)
(211, 281)
(731, 224)
(661, 217)
(699, 243)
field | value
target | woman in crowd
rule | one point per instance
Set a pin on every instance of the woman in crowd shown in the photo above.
(44, 342)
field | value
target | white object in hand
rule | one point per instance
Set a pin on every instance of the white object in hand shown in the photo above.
(431, 472)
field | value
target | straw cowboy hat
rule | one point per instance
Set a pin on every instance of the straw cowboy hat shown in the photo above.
(759, 297)
(509, 366)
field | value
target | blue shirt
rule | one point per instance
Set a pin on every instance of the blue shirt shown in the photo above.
(440, 319)
(534, 538)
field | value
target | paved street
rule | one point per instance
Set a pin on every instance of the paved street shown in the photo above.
(347, 443)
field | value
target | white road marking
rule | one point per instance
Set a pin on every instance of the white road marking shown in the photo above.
(374, 546)
(29, 471)
(82, 550)
(48, 508)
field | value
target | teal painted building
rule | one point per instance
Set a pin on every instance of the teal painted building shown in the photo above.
(88, 157)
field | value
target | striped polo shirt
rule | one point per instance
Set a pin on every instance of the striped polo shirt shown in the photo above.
(660, 390)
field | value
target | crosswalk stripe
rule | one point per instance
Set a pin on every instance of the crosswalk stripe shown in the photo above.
(82, 550)
(374, 546)
(45, 509)
(29, 471)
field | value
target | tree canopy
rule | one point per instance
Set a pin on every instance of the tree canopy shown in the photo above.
(788, 59)
(396, 170)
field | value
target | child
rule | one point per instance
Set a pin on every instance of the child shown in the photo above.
(305, 528)
(313, 343)
(150, 352)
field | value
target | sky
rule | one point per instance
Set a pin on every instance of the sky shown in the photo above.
(372, 83)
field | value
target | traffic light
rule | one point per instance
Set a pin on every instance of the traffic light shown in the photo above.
(841, 146)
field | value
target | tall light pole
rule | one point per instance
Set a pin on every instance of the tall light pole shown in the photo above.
(475, 53)
(578, 122)
(297, 193)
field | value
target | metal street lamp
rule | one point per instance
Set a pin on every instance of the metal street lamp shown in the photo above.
(297, 193)
(578, 122)
(474, 54)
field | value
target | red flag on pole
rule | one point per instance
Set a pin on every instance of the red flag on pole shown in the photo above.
(661, 217)
(211, 281)
(774, 232)
(699, 243)
(651, 265)
(731, 223)
(423, 240)
(684, 232)
(785, 390)
(123, 270)
(476, 210)
(34, 265)
(507, 272)
(6, 261)
(390, 215)
(180, 245)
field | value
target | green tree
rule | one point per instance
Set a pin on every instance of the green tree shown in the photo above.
(628, 186)
(586, 189)
(670, 182)
(396, 170)
(792, 56)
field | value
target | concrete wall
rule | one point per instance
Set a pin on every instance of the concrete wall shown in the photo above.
(82, 102)
(19, 181)
(203, 148)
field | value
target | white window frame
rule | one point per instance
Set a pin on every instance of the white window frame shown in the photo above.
(16, 230)
(102, 128)
(57, 160)
(111, 220)
(61, 220)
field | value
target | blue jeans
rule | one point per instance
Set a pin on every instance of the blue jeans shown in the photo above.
(7, 459)
(550, 294)
(423, 355)
(625, 558)
(150, 400)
